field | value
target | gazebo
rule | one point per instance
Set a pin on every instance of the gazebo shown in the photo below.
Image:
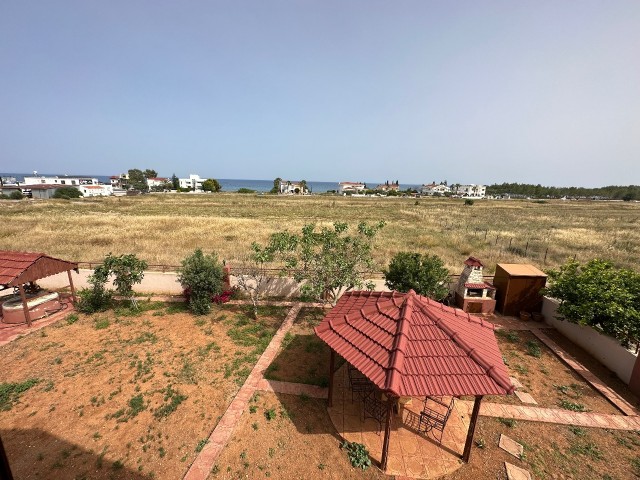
(20, 268)
(408, 345)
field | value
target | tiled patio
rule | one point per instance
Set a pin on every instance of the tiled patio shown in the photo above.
(411, 454)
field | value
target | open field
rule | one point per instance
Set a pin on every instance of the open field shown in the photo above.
(124, 395)
(164, 228)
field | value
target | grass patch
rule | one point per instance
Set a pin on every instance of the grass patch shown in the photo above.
(172, 399)
(590, 450)
(101, 323)
(574, 407)
(10, 393)
(72, 318)
(533, 349)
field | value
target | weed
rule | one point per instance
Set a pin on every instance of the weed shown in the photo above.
(200, 322)
(321, 466)
(304, 397)
(521, 369)
(204, 351)
(162, 452)
(177, 307)
(574, 407)
(533, 349)
(358, 454)
(100, 458)
(284, 413)
(509, 422)
(253, 408)
(588, 450)
(48, 386)
(635, 466)
(577, 431)
(254, 425)
(270, 414)
(562, 388)
(272, 452)
(71, 319)
(57, 361)
(136, 405)
(215, 469)
(172, 398)
(117, 465)
(97, 436)
(144, 337)
(200, 445)
(187, 373)
(480, 443)
(101, 323)
(10, 393)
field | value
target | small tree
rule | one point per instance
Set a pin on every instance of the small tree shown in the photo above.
(175, 182)
(149, 173)
(330, 261)
(95, 298)
(425, 274)
(276, 186)
(201, 276)
(67, 193)
(127, 271)
(211, 185)
(16, 195)
(137, 180)
(599, 295)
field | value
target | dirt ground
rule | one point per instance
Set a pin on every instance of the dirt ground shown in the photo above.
(549, 381)
(299, 442)
(122, 396)
(303, 358)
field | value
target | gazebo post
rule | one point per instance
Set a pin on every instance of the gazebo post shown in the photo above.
(25, 307)
(332, 362)
(472, 428)
(387, 434)
(73, 290)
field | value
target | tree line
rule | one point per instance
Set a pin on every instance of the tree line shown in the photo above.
(613, 192)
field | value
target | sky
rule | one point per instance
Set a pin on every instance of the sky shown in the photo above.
(365, 90)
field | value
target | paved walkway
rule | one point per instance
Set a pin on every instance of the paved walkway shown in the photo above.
(291, 388)
(223, 431)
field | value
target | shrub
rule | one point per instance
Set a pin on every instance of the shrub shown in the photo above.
(358, 454)
(468, 202)
(95, 298)
(67, 193)
(246, 190)
(201, 276)
(426, 274)
(16, 195)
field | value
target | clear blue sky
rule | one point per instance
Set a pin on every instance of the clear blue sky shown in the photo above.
(472, 92)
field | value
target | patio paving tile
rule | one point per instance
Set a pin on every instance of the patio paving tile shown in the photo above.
(516, 473)
(509, 445)
(525, 397)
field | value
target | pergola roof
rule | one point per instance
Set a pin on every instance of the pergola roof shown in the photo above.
(18, 268)
(410, 345)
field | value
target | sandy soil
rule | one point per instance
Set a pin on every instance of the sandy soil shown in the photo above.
(130, 399)
(546, 377)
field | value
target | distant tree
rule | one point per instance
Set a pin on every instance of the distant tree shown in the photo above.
(16, 195)
(599, 295)
(245, 190)
(303, 186)
(425, 274)
(175, 182)
(627, 197)
(211, 185)
(148, 173)
(202, 277)
(468, 202)
(137, 180)
(276, 186)
(67, 193)
(330, 261)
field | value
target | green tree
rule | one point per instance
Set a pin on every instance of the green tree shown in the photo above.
(276, 186)
(175, 182)
(137, 180)
(211, 185)
(425, 274)
(67, 193)
(330, 261)
(148, 173)
(599, 295)
(127, 270)
(202, 277)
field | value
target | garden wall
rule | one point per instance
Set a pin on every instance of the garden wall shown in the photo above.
(605, 349)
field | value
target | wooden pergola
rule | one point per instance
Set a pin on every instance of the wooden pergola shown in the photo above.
(20, 268)
(408, 345)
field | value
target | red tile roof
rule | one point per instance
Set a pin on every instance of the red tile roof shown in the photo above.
(473, 262)
(22, 267)
(411, 345)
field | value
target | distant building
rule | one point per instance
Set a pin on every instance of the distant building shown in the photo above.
(435, 189)
(119, 181)
(351, 187)
(293, 188)
(95, 190)
(193, 183)
(471, 190)
(157, 182)
(387, 187)
(89, 187)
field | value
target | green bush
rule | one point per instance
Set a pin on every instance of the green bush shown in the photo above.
(67, 193)
(246, 190)
(358, 454)
(94, 299)
(425, 274)
(468, 202)
(201, 277)
(16, 195)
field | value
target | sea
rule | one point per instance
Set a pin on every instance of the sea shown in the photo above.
(227, 184)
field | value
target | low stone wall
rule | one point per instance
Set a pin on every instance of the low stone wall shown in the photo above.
(604, 348)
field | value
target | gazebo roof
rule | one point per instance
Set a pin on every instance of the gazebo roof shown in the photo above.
(410, 345)
(17, 268)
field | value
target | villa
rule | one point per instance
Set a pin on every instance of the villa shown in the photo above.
(293, 188)
(193, 183)
(435, 189)
(351, 187)
(471, 190)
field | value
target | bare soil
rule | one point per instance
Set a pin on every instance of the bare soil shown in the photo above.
(299, 442)
(543, 375)
(125, 396)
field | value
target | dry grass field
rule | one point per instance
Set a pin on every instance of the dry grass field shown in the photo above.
(164, 228)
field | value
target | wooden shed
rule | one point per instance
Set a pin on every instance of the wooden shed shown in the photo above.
(518, 288)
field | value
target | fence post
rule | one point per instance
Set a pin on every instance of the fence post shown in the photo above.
(526, 248)
(545, 255)
(510, 240)
(485, 234)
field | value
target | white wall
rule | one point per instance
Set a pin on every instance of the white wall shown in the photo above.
(605, 349)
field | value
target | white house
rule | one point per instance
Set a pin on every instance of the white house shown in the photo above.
(293, 188)
(95, 190)
(156, 182)
(68, 181)
(471, 190)
(433, 189)
(194, 182)
(351, 187)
